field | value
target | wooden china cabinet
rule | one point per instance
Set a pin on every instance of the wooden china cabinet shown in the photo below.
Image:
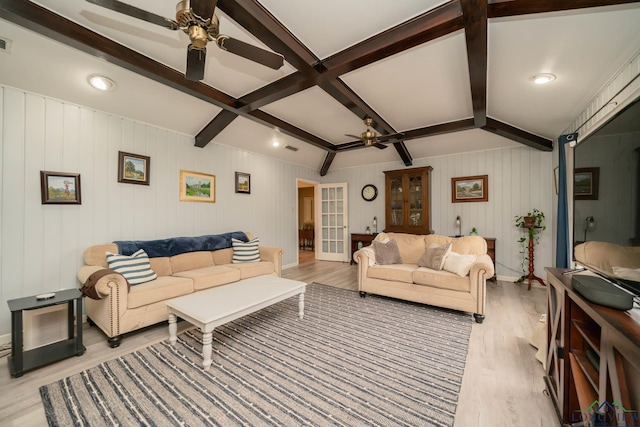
(408, 200)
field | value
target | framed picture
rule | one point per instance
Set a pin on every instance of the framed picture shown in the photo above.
(197, 187)
(133, 168)
(59, 188)
(243, 183)
(585, 183)
(470, 189)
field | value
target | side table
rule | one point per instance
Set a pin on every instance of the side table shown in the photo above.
(360, 240)
(20, 360)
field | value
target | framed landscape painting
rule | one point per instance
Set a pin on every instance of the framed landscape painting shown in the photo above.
(59, 188)
(585, 183)
(197, 187)
(243, 183)
(133, 168)
(470, 189)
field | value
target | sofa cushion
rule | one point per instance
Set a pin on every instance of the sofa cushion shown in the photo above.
(223, 256)
(441, 279)
(246, 251)
(474, 245)
(95, 255)
(208, 277)
(161, 265)
(411, 246)
(253, 269)
(135, 268)
(394, 272)
(387, 253)
(161, 289)
(191, 261)
(434, 257)
(459, 264)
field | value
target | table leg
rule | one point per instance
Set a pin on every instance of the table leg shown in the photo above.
(301, 305)
(80, 349)
(207, 338)
(173, 328)
(16, 343)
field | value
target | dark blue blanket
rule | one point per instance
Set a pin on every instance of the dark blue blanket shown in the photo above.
(179, 245)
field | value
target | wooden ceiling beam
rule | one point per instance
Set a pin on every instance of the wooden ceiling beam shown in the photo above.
(525, 7)
(288, 129)
(518, 135)
(214, 127)
(42, 21)
(429, 26)
(328, 159)
(475, 21)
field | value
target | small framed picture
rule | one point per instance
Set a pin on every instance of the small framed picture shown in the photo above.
(470, 189)
(197, 187)
(59, 188)
(585, 183)
(133, 168)
(243, 183)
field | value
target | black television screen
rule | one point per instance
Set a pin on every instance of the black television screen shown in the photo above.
(606, 203)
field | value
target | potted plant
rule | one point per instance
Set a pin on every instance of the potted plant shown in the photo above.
(473, 232)
(533, 221)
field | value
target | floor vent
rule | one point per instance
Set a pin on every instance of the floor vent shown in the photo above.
(290, 147)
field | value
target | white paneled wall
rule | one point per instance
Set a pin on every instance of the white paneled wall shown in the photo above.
(41, 245)
(520, 179)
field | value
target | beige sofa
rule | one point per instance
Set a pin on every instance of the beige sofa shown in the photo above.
(609, 259)
(123, 308)
(441, 288)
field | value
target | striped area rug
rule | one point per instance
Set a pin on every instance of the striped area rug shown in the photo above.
(350, 362)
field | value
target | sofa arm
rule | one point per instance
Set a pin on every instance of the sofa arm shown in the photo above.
(483, 262)
(113, 283)
(362, 257)
(273, 254)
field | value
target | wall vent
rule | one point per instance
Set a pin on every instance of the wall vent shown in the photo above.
(5, 45)
(290, 147)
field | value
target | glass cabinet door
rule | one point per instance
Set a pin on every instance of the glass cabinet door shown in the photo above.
(397, 203)
(415, 200)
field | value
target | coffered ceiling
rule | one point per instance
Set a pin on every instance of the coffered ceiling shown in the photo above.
(451, 76)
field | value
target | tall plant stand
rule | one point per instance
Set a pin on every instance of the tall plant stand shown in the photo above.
(531, 276)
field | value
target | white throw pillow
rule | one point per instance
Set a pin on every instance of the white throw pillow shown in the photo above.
(459, 264)
(245, 252)
(627, 273)
(135, 268)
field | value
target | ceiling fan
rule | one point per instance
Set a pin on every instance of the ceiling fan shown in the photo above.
(197, 19)
(371, 138)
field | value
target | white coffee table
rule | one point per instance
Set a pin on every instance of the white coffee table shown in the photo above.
(217, 306)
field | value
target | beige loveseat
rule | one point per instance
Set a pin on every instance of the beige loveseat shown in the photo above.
(123, 308)
(441, 288)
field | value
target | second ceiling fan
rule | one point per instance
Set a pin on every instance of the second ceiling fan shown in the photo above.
(371, 139)
(197, 19)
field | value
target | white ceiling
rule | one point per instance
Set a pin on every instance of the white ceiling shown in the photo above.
(422, 86)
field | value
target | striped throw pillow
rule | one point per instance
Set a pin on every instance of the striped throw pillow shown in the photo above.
(245, 252)
(135, 268)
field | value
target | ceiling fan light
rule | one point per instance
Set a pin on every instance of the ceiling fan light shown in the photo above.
(101, 82)
(543, 78)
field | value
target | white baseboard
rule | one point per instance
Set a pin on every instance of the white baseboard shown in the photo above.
(295, 264)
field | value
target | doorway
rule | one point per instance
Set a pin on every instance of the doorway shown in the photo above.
(306, 220)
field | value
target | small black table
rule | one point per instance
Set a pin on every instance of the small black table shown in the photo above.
(20, 360)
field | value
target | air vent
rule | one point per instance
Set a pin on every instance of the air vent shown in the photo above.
(5, 45)
(290, 147)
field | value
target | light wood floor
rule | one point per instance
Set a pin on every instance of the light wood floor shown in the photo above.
(502, 385)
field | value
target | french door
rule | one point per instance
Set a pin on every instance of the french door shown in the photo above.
(332, 231)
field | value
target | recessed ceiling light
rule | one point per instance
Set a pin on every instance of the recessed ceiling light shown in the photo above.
(275, 144)
(543, 78)
(101, 82)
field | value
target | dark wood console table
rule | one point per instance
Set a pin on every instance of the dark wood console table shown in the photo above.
(593, 356)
